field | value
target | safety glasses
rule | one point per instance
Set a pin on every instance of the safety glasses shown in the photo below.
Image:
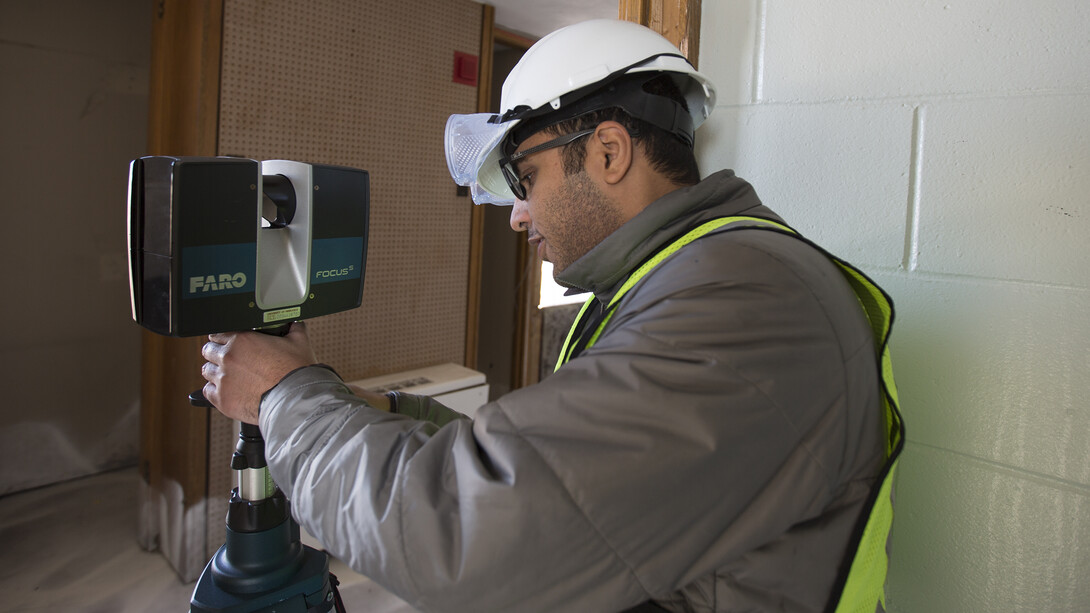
(507, 163)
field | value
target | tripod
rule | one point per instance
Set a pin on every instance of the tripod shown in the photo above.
(262, 567)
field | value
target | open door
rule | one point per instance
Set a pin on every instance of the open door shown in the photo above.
(504, 325)
(503, 320)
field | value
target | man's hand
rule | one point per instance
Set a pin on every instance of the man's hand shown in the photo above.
(378, 401)
(244, 365)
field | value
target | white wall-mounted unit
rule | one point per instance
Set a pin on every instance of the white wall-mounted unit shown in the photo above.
(457, 387)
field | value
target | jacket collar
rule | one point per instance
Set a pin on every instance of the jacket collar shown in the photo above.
(606, 265)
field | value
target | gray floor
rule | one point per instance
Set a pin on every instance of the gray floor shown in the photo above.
(72, 547)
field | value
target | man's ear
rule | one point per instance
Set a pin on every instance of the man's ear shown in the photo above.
(611, 151)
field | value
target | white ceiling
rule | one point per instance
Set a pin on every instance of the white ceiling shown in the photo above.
(536, 18)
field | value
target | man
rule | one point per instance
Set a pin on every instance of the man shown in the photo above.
(715, 430)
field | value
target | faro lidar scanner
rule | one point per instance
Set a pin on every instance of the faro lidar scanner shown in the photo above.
(229, 244)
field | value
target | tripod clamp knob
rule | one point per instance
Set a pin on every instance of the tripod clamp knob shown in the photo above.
(250, 449)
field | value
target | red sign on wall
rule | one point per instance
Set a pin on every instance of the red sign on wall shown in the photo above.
(465, 68)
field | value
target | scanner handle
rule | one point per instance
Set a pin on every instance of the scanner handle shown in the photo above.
(196, 397)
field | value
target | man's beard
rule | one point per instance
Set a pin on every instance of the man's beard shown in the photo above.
(587, 217)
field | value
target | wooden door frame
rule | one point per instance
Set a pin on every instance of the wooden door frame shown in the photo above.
(679, 22)
(183, 119)
(527, 333)
(476, 216)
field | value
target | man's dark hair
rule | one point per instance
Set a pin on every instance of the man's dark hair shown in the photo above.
(667, 153)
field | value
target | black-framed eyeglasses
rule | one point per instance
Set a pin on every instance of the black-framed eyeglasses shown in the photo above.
(507, 163)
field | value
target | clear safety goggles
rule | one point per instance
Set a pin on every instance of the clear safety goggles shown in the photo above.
(472, 144)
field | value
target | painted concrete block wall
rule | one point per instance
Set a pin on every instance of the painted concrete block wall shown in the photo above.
(944, 147)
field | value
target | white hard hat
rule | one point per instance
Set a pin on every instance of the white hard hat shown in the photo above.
(565, 74)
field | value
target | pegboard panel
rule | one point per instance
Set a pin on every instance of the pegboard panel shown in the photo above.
(367, 85)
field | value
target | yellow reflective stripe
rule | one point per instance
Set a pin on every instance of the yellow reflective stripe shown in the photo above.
(691, 236)
(887, 375)
(879, 314)
(892, 406)
(564, 349)
(879, 311)
(865, 586)
(672, 248)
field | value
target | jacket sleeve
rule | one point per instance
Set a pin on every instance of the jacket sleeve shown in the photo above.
(707, 420)
(464, 517)
(423, 407)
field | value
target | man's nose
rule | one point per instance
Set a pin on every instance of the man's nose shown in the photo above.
(520, 218)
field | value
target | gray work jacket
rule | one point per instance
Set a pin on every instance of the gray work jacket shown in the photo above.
(711, 451)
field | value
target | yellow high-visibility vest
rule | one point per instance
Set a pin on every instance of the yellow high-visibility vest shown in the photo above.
(860, 584)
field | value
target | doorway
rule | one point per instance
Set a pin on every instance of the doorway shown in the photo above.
(507, 318)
